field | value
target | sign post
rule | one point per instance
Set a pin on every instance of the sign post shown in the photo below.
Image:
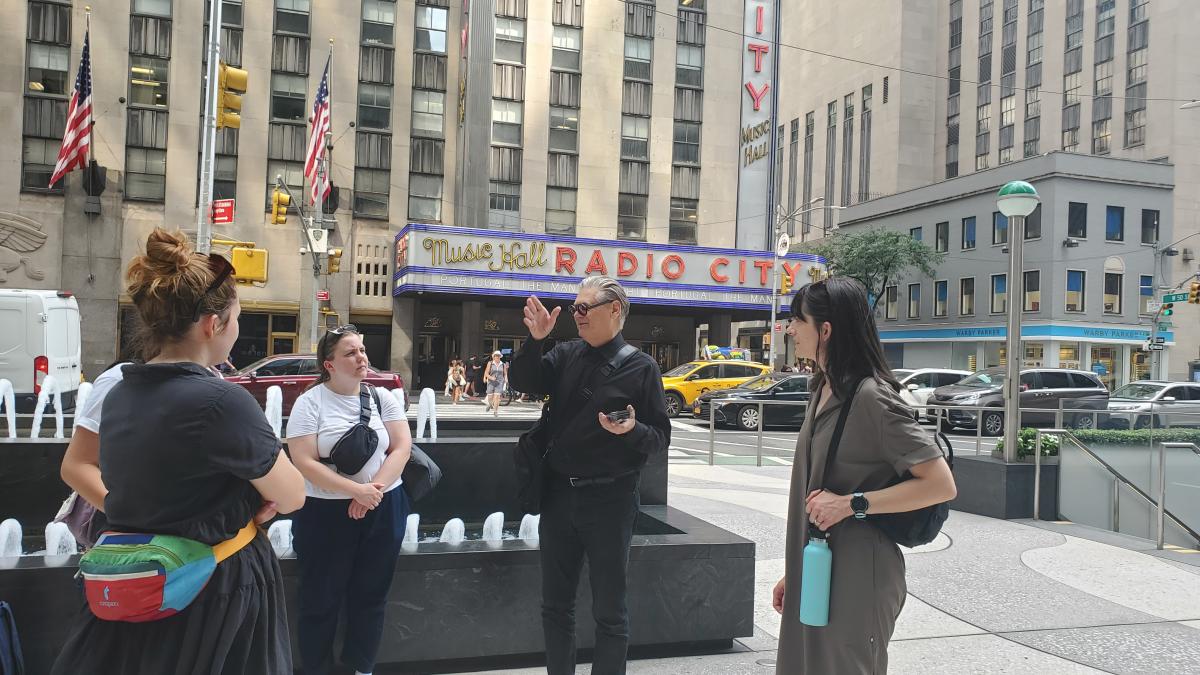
(222, 211)
(1175, 297)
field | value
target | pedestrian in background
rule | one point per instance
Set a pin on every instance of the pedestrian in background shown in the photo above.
(496, 375)
(472, 375)
(349, 532)
(832, 325)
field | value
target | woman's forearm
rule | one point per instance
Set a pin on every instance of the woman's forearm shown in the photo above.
(85, 479)
(324, 477)
(393, 466)
(935, 487)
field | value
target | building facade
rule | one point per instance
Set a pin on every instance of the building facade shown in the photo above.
(555, 121)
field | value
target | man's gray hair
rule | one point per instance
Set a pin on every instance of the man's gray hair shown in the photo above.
(608, 288)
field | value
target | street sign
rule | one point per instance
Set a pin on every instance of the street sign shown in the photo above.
(1166, 325)
(323, 296)
(1153, 306)
(1175, 297)
(1156, 348)
(1160, 340)
(778, 327)
(785, 242)
(222, 211)
(318, 241)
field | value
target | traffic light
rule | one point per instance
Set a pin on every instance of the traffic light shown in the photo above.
(250, 264)
(335, 260)
(1168, 308)
(785, 283)
(280, 201)
(1194, 293)
(231, 84)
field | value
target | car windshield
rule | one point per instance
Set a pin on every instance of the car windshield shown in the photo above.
(1138, 391)
(983, 380)
(901, 373)
(253, 366)
(762, 381)
(680, 371)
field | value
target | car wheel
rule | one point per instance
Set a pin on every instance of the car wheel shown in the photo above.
(674, 404)
(993, 423)
(1083, 422)
(747, 418)
(945, 425)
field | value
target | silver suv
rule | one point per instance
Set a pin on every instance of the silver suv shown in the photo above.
(1078, 392)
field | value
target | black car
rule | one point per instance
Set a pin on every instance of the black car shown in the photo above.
(1042, 389)
(768, 387)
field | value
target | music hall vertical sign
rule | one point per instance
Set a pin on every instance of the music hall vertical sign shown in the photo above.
(756, 133)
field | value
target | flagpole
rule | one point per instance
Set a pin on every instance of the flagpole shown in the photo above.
(87, 33)
(208, 139)
(318, 219)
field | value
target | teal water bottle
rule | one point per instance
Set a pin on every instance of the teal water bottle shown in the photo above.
(814, 580)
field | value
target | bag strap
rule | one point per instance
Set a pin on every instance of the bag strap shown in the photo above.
(585, 394)
(239, 541)
(836, 440)
(364, 403)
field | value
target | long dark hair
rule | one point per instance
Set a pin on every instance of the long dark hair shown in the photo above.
(325, 348)
(853, 350)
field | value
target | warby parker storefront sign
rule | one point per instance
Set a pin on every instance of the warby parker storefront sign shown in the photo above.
(456, 260)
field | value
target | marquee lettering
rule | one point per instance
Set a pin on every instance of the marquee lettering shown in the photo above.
(596, 264)
(764, 270)
(717, 276)
(672, 261)
(564, 259)
(441, 252)
(626, 264)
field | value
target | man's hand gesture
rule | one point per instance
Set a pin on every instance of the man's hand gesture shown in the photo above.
(537, 319)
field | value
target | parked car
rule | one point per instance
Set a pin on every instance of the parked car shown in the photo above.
(767, 387)
(293, 373)
(684, 383)
(40, 336)
(1166, 404)
(917, 384)
(1041, 388)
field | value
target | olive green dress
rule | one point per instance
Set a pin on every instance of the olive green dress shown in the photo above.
(880, 442)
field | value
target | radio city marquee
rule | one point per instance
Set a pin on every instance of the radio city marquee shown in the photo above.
(438, 258)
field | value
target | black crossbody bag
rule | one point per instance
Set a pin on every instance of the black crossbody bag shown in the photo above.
(352, 451)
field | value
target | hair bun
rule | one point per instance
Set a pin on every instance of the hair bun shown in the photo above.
(168, 252)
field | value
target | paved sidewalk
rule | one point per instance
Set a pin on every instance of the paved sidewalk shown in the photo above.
(989, 596)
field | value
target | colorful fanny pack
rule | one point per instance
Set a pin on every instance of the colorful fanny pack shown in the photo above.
(147, 577)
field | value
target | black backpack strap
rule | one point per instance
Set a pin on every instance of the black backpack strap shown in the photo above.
(364, 403)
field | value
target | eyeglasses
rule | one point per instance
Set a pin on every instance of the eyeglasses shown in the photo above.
(348, 328)
(223, 269)
(582, 310)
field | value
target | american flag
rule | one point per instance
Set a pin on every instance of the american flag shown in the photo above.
(316, 141)
(77, 137)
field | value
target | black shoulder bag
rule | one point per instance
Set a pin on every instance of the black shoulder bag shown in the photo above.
(352, 451)
(916, 528)
(529, 455)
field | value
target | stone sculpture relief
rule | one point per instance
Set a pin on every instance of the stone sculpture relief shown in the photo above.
(19, 236)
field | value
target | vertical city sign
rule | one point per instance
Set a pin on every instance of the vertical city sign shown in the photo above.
(755, 133)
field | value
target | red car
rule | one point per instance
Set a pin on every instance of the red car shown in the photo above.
(293, 373)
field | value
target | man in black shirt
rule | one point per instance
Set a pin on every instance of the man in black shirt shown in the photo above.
(593, 462)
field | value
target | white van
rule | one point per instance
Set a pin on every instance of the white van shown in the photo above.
(39, 336)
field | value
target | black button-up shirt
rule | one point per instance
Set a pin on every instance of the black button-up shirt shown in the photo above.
(579, 446)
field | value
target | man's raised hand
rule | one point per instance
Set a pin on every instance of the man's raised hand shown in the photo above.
(537, 319)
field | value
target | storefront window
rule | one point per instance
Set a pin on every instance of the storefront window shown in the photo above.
(1034, 355)
(1106, 364)
(262, 335)
(1139, 366)
(1068, 355)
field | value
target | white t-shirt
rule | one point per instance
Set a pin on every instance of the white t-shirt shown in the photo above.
(329, 415)
(88, 416)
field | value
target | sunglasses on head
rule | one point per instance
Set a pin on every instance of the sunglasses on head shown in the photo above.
(222, 269)
(583, 309)
(348, 328)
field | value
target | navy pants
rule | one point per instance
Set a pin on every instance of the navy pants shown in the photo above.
(348, 560)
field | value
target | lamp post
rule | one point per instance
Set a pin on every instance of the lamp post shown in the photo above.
(1016, 200)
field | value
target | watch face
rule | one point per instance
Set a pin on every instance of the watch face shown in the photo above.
(858, 504)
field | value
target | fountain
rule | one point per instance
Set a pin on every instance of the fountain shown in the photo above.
(402, 399)
(82, 395)
(49, 388)
(10, 543)
(280, 535)
(60, 544)
(454, 532)
(10, 408)
(412, 529)
(274, 409)
(427, 410)
(493, 527)
(529, 527)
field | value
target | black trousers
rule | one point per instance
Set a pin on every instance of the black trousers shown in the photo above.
(594, 521)
(348, 560)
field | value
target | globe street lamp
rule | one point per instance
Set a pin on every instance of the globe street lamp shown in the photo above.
(1016, 200)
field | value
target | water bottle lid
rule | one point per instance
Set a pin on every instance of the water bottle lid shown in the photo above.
(816, 533)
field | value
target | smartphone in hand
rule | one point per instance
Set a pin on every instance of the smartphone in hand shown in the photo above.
(617, 416)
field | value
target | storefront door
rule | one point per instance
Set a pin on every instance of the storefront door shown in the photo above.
(1106, 364)
(505, 345)
(665, 354)
(433, 359)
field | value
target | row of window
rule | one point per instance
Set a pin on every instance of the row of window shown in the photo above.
(1114, 227)
(1076, 296)
(634, 175)
(685, 152)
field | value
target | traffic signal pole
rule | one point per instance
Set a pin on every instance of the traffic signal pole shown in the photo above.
(208, 156)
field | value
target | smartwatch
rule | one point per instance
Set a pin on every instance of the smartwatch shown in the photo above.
(859, 504)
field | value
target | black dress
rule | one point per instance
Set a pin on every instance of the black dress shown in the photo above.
(178, 448)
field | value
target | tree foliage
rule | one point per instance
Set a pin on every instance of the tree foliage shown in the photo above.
(877, 257)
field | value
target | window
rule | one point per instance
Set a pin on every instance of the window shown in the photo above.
(1145, 293)
(942, 237)
(375, 106)
(683, 221)
(1149, 226)
(148, 81)
(1114, 223)
(48, 69)
(424, 197)
(637, 58)
(631, 216)
(371, 188)
(1077, 220)
(1033, 224)
(560, 211)
(689, 66)
(564, 129)
(999, 293)
(431, 29)
(999, 228)
(428, 110)
(941, 291)
(687, 143)
(566, 43)
(1112, 292)
(378, 18)
(891, 309)
(1076, 290)
(510, 40)
(968, 233)
(291, 16)
(506, 122)
(504, 200)
(288, 97)
(145, 174)
(635, 137)
(966, 296)
(916, 233)
(1033, 291)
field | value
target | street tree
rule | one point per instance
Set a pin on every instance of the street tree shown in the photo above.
(875, 257)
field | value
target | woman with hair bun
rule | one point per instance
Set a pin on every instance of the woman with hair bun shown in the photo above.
(187, 454)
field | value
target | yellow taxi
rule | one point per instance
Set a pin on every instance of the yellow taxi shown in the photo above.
(686, 382)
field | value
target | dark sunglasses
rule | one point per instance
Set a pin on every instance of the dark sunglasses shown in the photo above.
(348, 328)
(582, 310)
(223, 269)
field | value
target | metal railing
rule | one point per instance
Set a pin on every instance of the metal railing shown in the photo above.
(1118, 480)
(762, 421)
